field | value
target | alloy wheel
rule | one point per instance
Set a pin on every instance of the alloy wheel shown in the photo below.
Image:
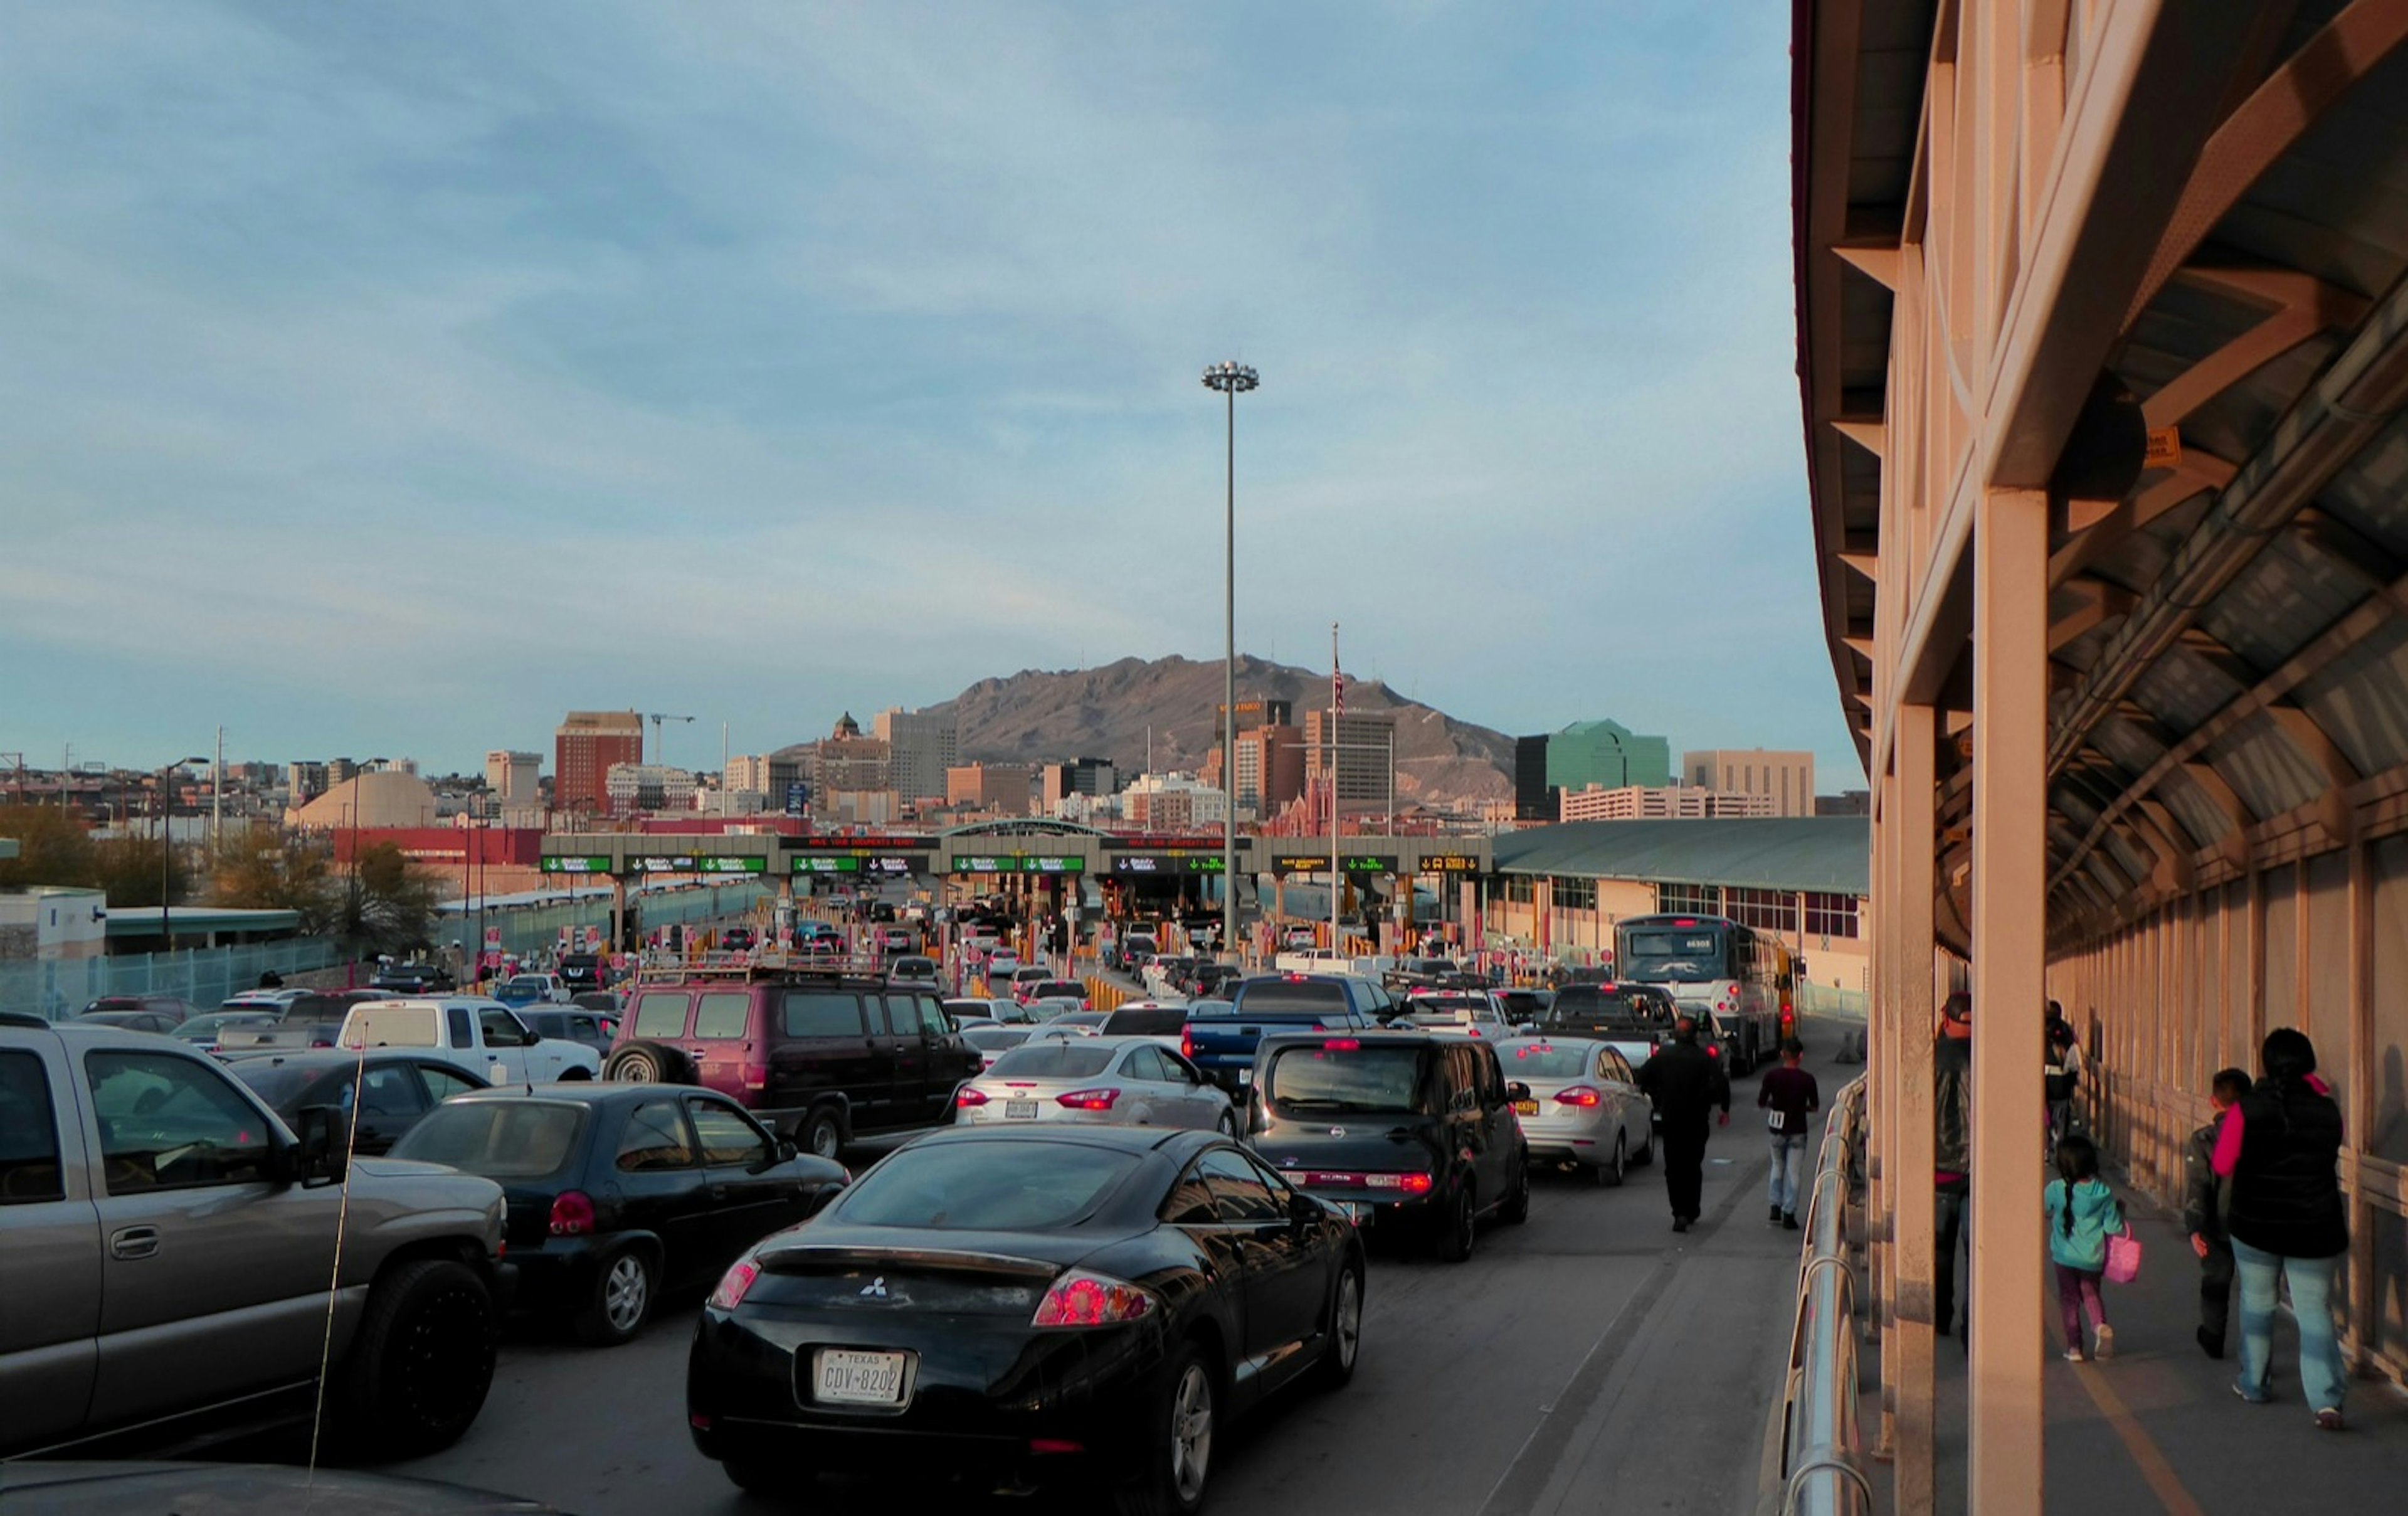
(626, 1292)
(1191, 1434)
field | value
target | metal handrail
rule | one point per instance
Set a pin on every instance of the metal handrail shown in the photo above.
(1822, 1469)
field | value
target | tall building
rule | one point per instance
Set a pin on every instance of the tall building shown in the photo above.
(845, 759)
(923, 743)
(1637, 803)
(583, 748)
(1005, 788)
(306, 781)
(1366, 759)
(1609, 754)
(1270, 766)
(633, 787)
(1172, 802)
(1265, 712)
(512, 778)
(1785, 779)
(1079, 776)
(1534, 799)
(770, 775)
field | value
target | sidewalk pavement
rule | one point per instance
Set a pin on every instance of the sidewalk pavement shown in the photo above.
(2157, 1428)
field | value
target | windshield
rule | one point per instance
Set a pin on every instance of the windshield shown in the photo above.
(501, 1139)
(994, 1039)
(1453, 1008)
(273, 1082)
(1673, 955)
(1543, 1061)
(1018, 1185)
(1054, 1060)
(1345, 1076)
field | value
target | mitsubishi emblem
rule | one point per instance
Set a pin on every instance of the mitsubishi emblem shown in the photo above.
(875, 1289)
(1338, 1132)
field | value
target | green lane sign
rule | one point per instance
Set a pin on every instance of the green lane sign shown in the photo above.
(742, 864)
(574, 863)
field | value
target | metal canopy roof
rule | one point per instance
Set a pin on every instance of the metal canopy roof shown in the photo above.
(2229, 662)
(1831, 854)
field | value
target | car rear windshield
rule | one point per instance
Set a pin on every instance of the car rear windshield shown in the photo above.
(1062, 988)
(994, 1039)
(272, 1081)
(1145, 1021)
(1319, 995)
(915, 968)
(1346, 1075)
(1019, 1185)
(1054, 1059)
(501, 1139)
(1537, 1061)
(1635, 1010)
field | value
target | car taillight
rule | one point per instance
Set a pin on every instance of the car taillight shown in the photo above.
(734, 1283)
(1579, 1094)
(1411, 1184)
(572, 1213)
(1715, 1050)
(965, 1095)
(1100, 1099)
(1345, 1044)
(1187, 1044)
(1091, 1299)
(756, 1075)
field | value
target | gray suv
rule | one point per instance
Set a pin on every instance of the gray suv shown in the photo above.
(166, 1243)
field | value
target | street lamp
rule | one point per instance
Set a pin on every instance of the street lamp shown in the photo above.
(1231, 380)
(168, 849)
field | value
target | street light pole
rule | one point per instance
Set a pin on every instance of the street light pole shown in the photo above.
(1231, 380)
(167, 852)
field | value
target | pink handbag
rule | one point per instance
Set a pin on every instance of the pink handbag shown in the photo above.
(2123, 1258)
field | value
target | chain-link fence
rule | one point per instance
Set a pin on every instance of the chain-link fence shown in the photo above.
(526, 929)
(59, 988)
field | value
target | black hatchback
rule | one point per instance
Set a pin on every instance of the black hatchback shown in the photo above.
(620, 1192)
(1397, 1128)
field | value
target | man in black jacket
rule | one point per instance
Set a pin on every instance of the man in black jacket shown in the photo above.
(1685, 1082)
(2203, 1209)
(1952, 1150)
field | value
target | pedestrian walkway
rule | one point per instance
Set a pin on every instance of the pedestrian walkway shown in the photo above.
(2157, 1428)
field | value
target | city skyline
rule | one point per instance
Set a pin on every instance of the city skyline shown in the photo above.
(380, 385)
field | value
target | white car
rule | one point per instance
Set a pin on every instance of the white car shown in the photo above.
(1117, 1081)
(991, 1041)
(1584, 1110)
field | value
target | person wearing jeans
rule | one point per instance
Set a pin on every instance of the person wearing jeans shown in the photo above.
(2279, 1147)
(1789, 1096)
(1951, 1156)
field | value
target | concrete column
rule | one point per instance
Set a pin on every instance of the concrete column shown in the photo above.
(1881, 1112)
(1909, 928)
(2006, 1455)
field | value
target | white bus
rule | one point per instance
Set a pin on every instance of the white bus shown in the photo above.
(1746, 977)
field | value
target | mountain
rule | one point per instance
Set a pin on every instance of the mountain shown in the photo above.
(1036, 717)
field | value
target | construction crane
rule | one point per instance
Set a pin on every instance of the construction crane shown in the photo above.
(659, 716)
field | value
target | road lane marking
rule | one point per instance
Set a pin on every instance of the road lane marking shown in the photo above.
(1589, 1380)
(2167, 1485)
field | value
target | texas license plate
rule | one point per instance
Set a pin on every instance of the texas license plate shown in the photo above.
(1526, 1107)
(1020, 1110)
(842, 1377)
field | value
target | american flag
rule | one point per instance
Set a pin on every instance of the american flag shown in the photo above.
(1337, 692)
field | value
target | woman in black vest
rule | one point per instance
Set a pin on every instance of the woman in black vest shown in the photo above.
(2280, 1146)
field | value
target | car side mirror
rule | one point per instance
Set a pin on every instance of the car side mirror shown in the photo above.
(1517, 1091)
(787, 1150)
(1303, 1209)
(318, 1155)
(531, 1039)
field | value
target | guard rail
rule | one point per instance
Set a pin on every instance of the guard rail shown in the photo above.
(1822, 1468)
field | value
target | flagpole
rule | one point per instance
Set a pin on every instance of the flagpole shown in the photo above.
(1337, 710)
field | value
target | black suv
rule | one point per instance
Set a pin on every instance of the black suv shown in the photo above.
(1395, 1128)
(412, 978)
(581, 971)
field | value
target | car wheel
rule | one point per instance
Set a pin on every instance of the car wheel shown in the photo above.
(419, 1370)
(620, 1300)
(641, 1063)
(1227, 1125)
(574, 1073)
(824, 1135)
(1518, 1200)
(1181, 1459)
(1459, 1229)
(1612, 1174)
(1345, 1330)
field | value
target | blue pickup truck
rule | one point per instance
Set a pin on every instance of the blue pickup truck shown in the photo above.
(1220, 1038)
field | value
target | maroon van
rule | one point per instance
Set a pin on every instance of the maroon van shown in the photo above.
(822, 1055)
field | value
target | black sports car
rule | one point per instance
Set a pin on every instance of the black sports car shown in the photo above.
(619, 1192)
(1077, 1305)
(402, 1086)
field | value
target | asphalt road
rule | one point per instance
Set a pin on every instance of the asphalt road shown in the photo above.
(1588, 1360)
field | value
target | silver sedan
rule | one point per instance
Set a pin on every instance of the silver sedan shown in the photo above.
(1586, 1107)
(1116, 1081)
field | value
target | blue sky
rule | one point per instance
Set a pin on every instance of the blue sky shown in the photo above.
(386, 380)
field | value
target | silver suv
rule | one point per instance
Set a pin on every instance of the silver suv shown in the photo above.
(166, 1243)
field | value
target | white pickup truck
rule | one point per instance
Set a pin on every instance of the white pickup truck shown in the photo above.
(484, 1037)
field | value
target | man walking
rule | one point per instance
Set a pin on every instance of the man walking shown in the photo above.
(1685, 1082)
(2204, 1204)
(2061, 1073)
(1952, 1150)
(1789, 1094)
